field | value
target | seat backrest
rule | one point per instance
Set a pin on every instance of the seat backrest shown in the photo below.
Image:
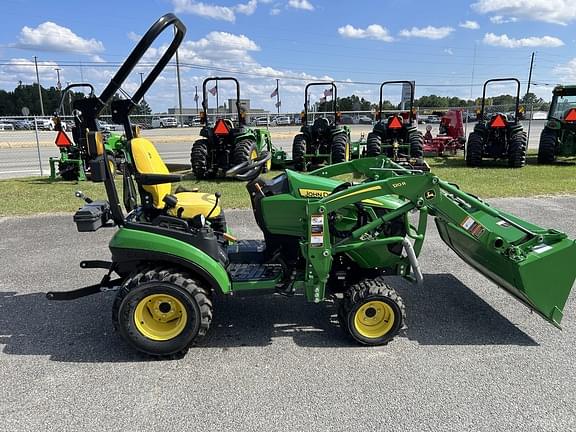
(147, 160)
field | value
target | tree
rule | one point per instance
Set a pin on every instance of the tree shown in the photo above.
(143, 108)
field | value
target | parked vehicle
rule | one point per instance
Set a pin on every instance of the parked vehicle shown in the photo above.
(196, 122)
(4, 125)
(281, 121)
(261, 121)
(164, 122)
(432, 119)
(365, 120)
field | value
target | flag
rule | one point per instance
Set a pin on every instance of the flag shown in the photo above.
(278, 104)
(328, 92)
(274, 93)
(214, 90)
(196, 97)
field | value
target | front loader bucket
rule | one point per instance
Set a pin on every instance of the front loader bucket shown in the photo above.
(535, 265)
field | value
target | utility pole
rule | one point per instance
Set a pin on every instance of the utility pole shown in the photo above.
(141, 82)
(179, 87)
(528, 91)
(277, 95)
(39, 87)
(196, 97)
(58, 83)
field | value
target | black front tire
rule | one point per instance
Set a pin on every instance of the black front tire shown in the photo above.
(373, 145)
(474, 150)
(163, 282)
(199, 158)
(340, 148)
(372, 312)
(547, 147)
(298, 152)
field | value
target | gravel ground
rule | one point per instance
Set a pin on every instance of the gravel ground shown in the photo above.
(472, 359)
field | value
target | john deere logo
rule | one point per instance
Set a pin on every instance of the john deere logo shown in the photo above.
(430, 194)
(313, 193)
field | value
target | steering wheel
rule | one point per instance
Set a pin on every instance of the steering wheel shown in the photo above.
(249, 170)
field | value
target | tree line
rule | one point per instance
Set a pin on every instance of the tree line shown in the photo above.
(26, 95)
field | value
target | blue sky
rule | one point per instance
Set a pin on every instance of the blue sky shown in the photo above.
(438, 44)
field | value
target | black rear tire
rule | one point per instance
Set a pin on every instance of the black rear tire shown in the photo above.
(68, 172)
(340, 148)
(547, 147)
(244, 150)
(373, 145)
(474, 150)
(199, 158)
(416, 140)
(187, 292)
(517, 150)
(298, 152)
(387, 306)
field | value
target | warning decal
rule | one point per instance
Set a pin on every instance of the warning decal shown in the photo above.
(317, 230)
(473, 227)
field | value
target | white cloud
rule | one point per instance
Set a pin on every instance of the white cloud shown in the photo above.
(527, 42)
(373, 31)
(566, 72)
(247, 8)
(448, 51)
(428, 32)
(301, 4)
(49, 36)
(275, 11)
(134, 37)
(499, 19)
(553, 11)
(21, 69)
(470, 25)
(224, 13)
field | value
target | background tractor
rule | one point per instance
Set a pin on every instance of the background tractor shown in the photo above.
(75, 160)
(396, 136)
(228, 141)
(450, 136)
(324, 141)
(496, 136)
(558, 137)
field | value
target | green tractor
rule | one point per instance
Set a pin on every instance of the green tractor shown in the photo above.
(323, 236)
(226, 144)
(323, 141)
(558, 137)
(75, 161)
(497, 136)
(397, 136)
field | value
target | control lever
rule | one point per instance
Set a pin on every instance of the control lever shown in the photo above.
(80, 194)
(217, 195)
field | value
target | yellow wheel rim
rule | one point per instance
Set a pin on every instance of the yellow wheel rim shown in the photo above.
(253, 155)
(160, 317)
(347, 152)
(374, 319)
(112, 167)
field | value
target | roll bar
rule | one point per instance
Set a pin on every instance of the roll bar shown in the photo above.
(501, 80)
(241, 120)
(411, 84)
(334, 99)
(70, 87)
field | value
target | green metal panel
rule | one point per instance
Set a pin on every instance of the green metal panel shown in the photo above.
(134, 239)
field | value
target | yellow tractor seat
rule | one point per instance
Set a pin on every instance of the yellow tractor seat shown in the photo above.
(148, 161)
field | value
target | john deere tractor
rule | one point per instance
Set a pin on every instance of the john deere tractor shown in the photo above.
(396, 136)
(324, 141)
(558, 137)
(496, 136)
(75, 161)
(170, 263)
(227, 142)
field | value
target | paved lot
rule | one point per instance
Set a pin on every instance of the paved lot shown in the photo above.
(173, 144)
(473, 359)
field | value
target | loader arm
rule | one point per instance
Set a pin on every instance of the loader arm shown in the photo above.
(533, 264)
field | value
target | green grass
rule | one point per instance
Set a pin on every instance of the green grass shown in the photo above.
(33, 195)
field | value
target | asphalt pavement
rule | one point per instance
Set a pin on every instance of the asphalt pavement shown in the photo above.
(173, 144)
(472, 358)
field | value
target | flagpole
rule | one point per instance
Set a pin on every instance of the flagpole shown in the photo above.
(277, 95)
(196, 98)
(217, 99)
